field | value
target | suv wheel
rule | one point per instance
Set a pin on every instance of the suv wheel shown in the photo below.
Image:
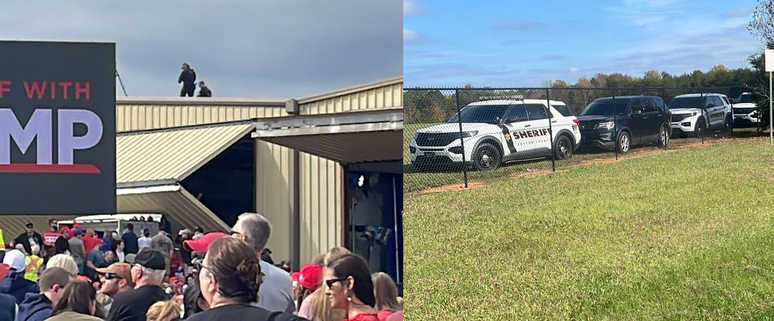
(563, 148)
(729, 123)
(699, 129)
(624, 142)
(663, 137)
(486, 157)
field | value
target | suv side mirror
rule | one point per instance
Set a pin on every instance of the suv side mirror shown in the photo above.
(710, 105)
(635, 111)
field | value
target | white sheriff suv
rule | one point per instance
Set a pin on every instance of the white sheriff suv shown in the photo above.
(746, 111)
(498, 130)
(694, 113)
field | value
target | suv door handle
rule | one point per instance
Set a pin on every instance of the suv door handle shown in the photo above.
(527, 125)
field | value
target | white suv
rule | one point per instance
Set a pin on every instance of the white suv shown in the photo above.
(497, 131)
(693, 113)
(746, 111)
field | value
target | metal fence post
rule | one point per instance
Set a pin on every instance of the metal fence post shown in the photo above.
(462, 140)
(703, 110)
(615, 127)
(551, 130)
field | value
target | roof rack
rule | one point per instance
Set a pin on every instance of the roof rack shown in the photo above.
(515, 97)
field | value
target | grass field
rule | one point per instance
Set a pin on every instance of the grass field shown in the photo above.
(419, 180)
(683, 235)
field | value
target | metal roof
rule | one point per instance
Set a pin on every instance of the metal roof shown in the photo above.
(346, 138)
(174, 202)
(172, 154)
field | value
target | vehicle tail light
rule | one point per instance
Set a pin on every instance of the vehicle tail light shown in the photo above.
(576, 121)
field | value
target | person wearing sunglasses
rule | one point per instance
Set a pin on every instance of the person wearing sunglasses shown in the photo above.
(349, 287)
(193, 301)
(229, 281)
(115, 279)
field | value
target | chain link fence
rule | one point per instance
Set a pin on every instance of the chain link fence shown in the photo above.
(455, 137)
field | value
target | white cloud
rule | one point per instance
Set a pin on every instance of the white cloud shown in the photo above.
(411, 7)
(412, 36)
(573, 69)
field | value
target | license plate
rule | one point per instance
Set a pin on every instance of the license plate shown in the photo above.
(429, 154)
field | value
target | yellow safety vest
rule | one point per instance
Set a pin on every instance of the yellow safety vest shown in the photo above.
(33, 267)
(2, 242)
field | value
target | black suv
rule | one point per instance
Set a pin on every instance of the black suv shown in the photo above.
(638, 120)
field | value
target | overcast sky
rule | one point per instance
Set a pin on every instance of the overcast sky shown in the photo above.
(259, 49)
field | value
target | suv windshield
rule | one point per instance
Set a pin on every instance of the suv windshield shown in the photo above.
(685, 102)
(604, 107)
(743, 99)
(491, 114)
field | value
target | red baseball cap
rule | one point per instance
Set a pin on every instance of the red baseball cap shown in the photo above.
(310, 276)
(203, 243)
(294, 276)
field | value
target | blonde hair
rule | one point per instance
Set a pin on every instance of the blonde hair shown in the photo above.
(334, 254)
(386, 292)
(90, 232)
(320, 307)
(35, 249)
(164, 311)
(63, 261)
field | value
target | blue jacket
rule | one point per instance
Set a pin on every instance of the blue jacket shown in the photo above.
(16, 285)
(36, 307)
(7, 308)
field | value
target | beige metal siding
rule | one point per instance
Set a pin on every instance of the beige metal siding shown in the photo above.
(142, 115)
(388, 96)
(321, 206)
(14, 225)
(274, 199)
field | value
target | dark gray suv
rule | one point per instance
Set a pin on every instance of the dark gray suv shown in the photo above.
(638, 120)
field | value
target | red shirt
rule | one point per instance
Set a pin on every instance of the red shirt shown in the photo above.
(364, 317)
(89, 242)
(384, 314)
(49, 238)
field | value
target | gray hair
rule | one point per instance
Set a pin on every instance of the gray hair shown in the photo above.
(256, 227)
(155, 275)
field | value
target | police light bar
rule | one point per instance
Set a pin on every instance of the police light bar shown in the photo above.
(517, 97)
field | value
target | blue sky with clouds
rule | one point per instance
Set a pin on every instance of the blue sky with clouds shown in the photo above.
(520, 43)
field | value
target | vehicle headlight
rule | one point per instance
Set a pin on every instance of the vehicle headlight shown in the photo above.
(694, 113)
(469, 133)
(415, 135)
(605, 125)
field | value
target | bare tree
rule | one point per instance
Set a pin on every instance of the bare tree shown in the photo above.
(762, 25)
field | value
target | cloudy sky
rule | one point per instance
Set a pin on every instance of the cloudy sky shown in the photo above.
(259, 49)
(511, 43)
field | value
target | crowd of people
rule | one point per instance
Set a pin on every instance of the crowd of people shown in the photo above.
(77, 274)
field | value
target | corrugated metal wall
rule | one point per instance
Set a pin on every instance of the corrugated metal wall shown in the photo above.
(152, 114)
(275, 189)
(387, 96)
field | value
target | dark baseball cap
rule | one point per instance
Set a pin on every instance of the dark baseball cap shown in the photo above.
(29, 225)
(150, 258)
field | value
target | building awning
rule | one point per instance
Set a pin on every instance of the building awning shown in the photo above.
(176, 203)
(172, 154)
(14, 225)
(347, 138)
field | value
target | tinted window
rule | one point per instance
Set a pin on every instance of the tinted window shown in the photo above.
(725, 100)
(745, 98)
(481, 114)
(605, 107)
(659, 104)
(648, 106)
(516, 114)
(686, 102)
(536, 112)
(716, 100)
(563, 109)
